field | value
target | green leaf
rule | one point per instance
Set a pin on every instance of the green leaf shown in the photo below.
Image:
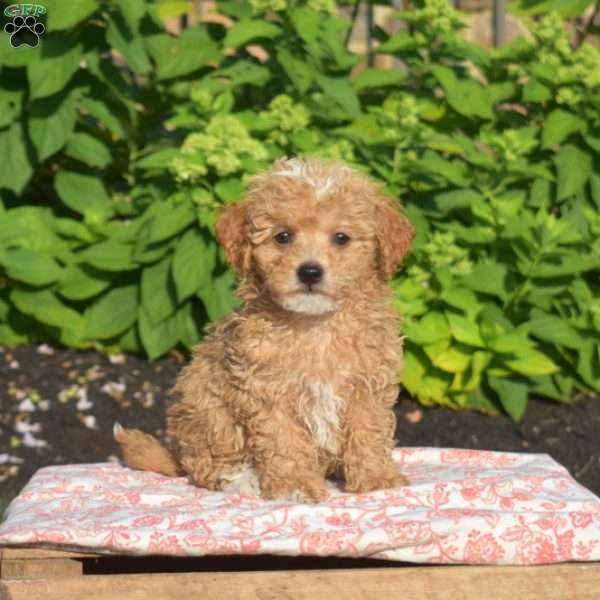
(558, 126)
(550, 328)
(301, 74)
(540, 194)
(130, 46)
(374, 78)
(159, 338)
(145, 251)
(488, 278)
(532, 362)
(546, 385)
(56, 63)
(174, 8)
(70, 228)
(464, 330)
(158, 291)
(567, 264)
(84, 194)
(11, 102)
(218, 296)
(453, 171)
(462, 299)
(512, 395)
(448, 201)
(29, 227)
(192, 318)
(112, 313)
(453, 359)
(193, 263)
(160, 159)
(415, 368)
(512, 342)
(89, 150)
(182, 55)
(64, 15)
(109, 255)
(104, 113)
(340, 91)
(243, 71)
(534, 91)
(567, 8)
(398, 42)
(51, 122)
(81, 282)
(306, 23)
(132, 11)
(234, 8)
(245, 31)
(433, 327)
(480, 362)
(30, 266)
(588, 363)
(574, 167)
(46, 308)
(465, 96)
(113, 76)
(15, 166)
(230, 190)
(171, 221)
(11, 336)
(595, 189)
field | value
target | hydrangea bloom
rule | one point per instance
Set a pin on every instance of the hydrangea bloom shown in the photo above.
(220, 146)
(266, 5)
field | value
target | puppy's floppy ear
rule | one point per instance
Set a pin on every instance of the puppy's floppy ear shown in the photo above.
(231, 233)
(394, 235)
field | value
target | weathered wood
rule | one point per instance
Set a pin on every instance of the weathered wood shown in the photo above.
(555, 582)
(40, 567)
(7, 553)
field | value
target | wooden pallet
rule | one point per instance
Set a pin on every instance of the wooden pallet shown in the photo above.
(34, 574)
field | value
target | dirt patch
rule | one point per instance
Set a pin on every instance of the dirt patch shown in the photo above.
(59, 406)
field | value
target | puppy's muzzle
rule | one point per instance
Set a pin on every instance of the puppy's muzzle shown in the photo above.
(310, 273)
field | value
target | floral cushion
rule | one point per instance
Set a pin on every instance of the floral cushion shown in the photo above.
(463, 506)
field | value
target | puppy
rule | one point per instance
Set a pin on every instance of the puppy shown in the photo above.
(298, 384)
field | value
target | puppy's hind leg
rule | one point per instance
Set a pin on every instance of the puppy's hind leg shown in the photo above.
(144, 452)
(211, 447)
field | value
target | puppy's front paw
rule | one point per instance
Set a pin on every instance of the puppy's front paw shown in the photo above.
(362, 482)
(297, 490)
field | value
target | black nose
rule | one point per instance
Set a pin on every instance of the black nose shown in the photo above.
(310, 273)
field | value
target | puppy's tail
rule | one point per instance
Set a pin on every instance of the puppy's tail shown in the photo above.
(144, 452)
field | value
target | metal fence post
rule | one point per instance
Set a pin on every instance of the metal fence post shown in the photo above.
(369, 22)
(499, 22)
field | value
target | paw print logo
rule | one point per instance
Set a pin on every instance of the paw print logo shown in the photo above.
(24, 32)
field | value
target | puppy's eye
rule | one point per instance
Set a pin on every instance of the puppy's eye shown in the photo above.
(284, 237)
(340, 238)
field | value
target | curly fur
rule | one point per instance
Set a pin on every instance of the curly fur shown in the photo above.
(298, 384)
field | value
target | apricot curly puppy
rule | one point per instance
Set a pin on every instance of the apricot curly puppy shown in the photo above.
(297, 384)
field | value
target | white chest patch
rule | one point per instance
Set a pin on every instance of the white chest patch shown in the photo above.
(321, 411)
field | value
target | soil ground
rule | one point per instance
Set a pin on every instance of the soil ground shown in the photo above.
(58, 406)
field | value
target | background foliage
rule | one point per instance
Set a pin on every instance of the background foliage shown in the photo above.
(120, 141)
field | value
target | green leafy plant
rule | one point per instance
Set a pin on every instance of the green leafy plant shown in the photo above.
(125, 141)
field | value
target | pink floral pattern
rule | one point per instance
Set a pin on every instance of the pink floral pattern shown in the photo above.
(463, 506)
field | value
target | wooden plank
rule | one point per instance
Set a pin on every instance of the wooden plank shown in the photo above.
(40, 567)
(554, 582)
(8, 553)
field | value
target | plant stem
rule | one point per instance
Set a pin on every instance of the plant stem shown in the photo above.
(352, 22)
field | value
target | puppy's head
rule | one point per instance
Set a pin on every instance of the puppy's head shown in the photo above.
(312, 233)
